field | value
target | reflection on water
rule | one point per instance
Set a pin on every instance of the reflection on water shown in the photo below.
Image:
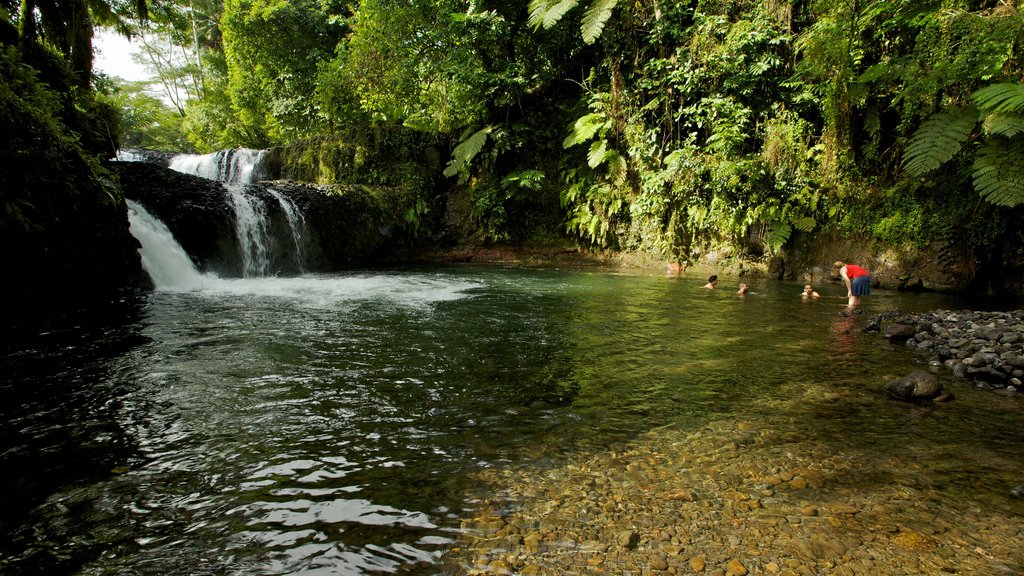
(335, 424)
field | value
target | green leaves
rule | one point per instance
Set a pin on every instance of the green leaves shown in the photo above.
(1003, 97)
(547, 13)
(464, 153)
(595, 18)
(999, 172)
(937, 140)
(585, 128)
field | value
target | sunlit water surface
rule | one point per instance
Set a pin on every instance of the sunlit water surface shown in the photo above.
(334, 424)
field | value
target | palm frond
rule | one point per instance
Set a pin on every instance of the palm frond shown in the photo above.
(1002, 97)
(464, 153)
(1007, 124)
(547, 13)
(999, 172)
(595, 18)
(937, 140)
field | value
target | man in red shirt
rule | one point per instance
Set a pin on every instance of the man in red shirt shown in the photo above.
(858, 282)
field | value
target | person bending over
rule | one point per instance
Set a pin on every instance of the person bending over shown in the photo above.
(858, 282)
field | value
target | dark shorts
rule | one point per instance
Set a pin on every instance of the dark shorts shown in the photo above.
(861, 285)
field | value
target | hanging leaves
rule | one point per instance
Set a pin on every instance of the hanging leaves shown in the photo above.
(999, 172)
(937, 140)
(464, 153)
(1002, 97)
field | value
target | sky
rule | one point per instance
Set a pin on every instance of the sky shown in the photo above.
(113, 56)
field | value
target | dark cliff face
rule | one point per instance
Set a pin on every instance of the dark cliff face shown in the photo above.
(72, 248)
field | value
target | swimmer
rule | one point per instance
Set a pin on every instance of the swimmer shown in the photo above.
(743, 289)
(809, 292)
(712, 282)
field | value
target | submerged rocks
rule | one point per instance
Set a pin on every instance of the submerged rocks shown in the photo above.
(986, 348)
(916, 387)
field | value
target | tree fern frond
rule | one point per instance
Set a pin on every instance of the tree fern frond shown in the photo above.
(584, 129)
(999, 172)
(1007, 124)
(937, 140)
(464, 153)
(1003, 97)
(595, 18)
(547, 13)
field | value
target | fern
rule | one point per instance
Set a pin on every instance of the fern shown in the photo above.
(778, 234)
(595, 18)
(937, 140)
(616, 167)
(804, 224)
(598, 150)
(1006, 124)
(525, 179)
(585, 128)
(464, 153)
(1003, 97)
(547, 13)
(999, 172)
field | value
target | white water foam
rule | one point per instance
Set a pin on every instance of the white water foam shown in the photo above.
(406, 290)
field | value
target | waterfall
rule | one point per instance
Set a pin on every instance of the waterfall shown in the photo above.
(162, 257)
(241, 165)
(251, 227)
(237, 168)
(296, 223)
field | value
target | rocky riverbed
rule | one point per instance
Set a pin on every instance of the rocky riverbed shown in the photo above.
(986, 348)
(793, 489)
(734, 499)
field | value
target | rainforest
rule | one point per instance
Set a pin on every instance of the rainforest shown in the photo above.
(759, 137)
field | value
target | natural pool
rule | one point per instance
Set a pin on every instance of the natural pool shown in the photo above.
(460, 419)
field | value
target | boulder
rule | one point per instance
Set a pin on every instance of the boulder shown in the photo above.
(918, 386)
(899, 332)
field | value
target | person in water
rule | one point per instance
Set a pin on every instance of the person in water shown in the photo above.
(858, 282)
(809, 292)
(712, 282)
(743, 289)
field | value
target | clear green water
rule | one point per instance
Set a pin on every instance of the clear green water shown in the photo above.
(334, 424)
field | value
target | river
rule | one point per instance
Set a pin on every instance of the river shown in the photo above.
(354, 423)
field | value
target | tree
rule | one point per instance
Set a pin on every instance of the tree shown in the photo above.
(69, 24)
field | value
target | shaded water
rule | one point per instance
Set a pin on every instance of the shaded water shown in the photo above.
(337, 424)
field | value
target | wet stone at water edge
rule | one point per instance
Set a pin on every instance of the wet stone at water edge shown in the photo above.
(986, 348)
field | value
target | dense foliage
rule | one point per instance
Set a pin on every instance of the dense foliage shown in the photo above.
(662, 127)
(62, 217)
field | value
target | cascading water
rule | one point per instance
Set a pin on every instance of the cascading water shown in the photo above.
(240, 165)
(251, 226)
(162, 257)
(297, 224)
(237, 168)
